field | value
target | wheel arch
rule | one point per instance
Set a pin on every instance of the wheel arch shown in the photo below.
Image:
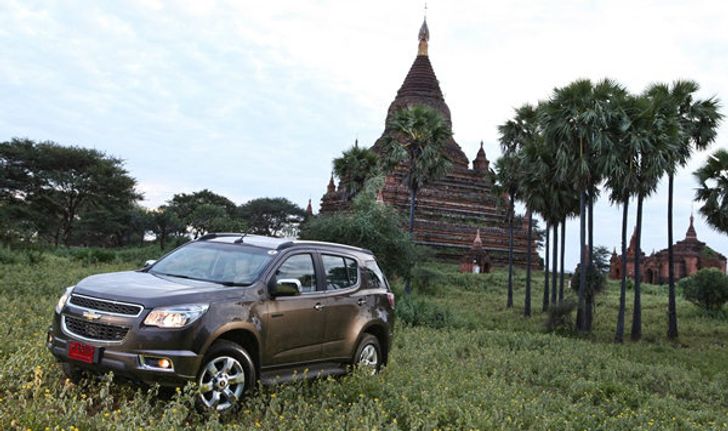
(378, 330)
(243, 336)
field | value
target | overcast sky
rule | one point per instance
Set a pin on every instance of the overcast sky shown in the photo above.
(252, 99)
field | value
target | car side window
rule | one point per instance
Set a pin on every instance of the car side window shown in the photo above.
(375, 276)
(299, 267)
(341, 272)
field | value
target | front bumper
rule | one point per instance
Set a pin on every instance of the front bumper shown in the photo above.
(126, 358)
(129, 363)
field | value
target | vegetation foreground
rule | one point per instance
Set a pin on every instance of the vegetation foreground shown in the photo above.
(467, 363)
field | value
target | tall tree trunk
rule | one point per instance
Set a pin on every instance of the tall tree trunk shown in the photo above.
(563, 252)
(591, 230)
(555, 264)
(527, 301)
(509, 303)
(619, 336)
(671, 307)
(413, 204)
(546, 272)
(637, 312)
(582, 262)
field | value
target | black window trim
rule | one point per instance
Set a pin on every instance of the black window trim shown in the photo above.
(348, 290)
(318, 270)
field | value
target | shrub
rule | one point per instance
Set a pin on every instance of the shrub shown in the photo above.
(418, 312)
(707, 288)
(7, 256)
(369, 225)
(559, 317)
(91, 255)
(426, 279)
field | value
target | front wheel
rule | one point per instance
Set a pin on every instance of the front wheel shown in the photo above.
(227, 373)
(369, 354)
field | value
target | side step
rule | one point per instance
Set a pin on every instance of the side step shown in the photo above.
(287, 375)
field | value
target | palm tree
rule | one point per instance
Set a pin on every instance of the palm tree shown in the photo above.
(698, 121)
(713, 180)
(354, 167)
(416, 142)
(574, 120)
(516, 133)
(620, 164)
(656, 149)
(507, 174)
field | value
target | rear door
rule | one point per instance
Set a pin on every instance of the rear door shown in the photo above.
(295, 325)
(344, 304)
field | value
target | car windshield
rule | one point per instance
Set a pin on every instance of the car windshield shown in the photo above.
(229, 264)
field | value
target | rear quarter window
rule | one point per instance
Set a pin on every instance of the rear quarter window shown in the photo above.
(341, 272)
(375, 276)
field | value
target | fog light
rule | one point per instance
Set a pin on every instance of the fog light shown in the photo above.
(157, 363)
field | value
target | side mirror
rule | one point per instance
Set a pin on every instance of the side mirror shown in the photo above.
(149, 263)
(284, 287)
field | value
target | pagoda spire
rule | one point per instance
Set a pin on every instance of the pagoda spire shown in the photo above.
(331, 188)
(424, 37)
(691, 234)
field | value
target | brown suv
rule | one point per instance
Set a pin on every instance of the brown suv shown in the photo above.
(226, 310)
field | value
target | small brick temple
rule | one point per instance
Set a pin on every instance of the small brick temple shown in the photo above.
(690, 254)
(458, 216)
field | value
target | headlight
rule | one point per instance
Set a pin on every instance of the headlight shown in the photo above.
(63, 299)
(175, 317)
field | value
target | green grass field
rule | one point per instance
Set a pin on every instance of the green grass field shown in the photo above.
(477, 365)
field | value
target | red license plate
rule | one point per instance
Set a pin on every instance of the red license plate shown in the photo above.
(81, 352)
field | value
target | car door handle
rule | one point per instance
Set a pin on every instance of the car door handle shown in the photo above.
(361, 301)
(318, 307)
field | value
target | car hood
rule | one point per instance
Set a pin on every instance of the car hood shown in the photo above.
(152, 290)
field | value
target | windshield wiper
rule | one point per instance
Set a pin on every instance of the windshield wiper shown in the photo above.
(173, 275)
(233, 283)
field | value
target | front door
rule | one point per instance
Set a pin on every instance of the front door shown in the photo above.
(295, 324)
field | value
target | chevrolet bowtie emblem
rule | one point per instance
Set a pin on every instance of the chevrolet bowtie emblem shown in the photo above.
(90, 315)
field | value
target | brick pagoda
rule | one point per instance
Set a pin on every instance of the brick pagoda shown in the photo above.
(450, 211)
(690, 254)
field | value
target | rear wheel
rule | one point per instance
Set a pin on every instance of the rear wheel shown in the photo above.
(227, 373)
(369, 354)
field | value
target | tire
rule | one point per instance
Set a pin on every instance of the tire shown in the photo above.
(227, 373)
(368, 354)
(72, 372)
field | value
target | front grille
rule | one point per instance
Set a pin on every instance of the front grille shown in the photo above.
(108, 306)
(93, 330)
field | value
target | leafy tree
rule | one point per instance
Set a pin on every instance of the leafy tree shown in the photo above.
(203, 211)
(369, 225)
(55, 187)
(272, 216)
(206, 218)
(698, 122)
(713, 192)
(354, 167)
(416, 143)
(707, 288)
(601, 259)
(164, 224)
